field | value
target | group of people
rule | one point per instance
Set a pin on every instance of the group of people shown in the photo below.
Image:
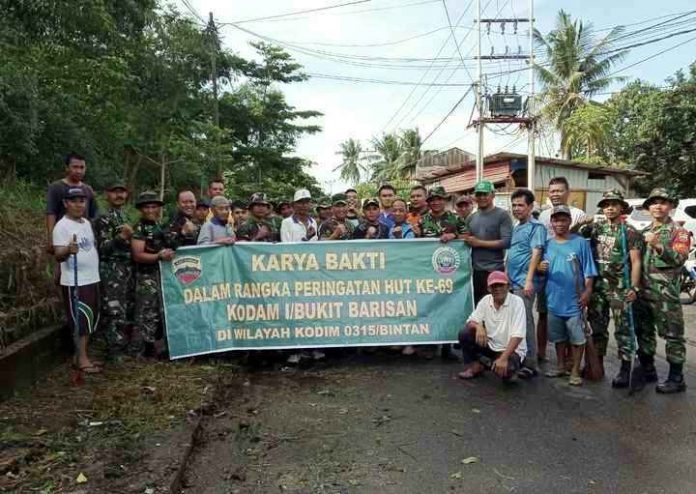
(572, 265)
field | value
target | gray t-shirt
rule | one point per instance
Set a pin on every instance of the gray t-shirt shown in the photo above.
(56, 193)
(492, 224)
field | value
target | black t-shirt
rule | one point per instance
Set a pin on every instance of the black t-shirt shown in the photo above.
(56, 193)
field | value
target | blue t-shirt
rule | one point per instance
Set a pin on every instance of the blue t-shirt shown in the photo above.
(562, 280)
(525, 238)
(406, 231)
(386, 219)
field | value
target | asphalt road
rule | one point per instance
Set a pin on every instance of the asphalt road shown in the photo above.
(391, 424)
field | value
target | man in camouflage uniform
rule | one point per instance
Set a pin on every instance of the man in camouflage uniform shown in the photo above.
(259, 227)
(658, 308)
(337, 227)
(615, 244)
(113, 236)
(151, 243)
(438, 222)
(370, 227)
(182, 227)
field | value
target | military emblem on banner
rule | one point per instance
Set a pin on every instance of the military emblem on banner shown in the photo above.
(445, 260)
(187, 269)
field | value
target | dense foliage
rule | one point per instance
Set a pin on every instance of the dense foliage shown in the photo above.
(129, 85)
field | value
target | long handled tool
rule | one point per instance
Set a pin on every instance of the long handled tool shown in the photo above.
(594, 371)
(629, 310)
(77, 377)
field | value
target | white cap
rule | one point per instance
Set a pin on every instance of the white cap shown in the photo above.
(301, 194)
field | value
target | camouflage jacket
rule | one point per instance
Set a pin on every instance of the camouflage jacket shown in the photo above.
(177, 236)
(661, 271)
(248, 230)
(327, 228)
(156, 237)
(110, 245)
(448, 222)
(608, 250)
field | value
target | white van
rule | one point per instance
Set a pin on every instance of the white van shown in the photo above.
(685, 214)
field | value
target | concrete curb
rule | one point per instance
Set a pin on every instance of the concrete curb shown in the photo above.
(25, 361)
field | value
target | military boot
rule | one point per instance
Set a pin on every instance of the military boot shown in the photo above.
(673, 384)
(647, 362)
(622, 378)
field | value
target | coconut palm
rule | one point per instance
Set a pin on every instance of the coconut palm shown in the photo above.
(386, 158)
(411, 152)
(351, 165)
(577, 66)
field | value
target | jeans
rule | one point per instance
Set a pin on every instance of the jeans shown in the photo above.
(531, 330)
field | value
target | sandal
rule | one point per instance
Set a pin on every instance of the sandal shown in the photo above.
(90, 369)
(556, 373)
(575, 381)
(527, 373)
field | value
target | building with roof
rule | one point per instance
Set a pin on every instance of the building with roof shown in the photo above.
(455, 170)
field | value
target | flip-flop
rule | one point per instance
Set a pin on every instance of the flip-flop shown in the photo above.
(556, 373)
(90, 369)
(467, 374)
(575, 381)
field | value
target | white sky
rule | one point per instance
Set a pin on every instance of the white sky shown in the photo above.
(361, 110)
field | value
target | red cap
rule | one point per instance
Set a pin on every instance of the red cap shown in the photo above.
(497, 277)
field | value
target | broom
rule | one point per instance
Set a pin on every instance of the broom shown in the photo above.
(594, 371)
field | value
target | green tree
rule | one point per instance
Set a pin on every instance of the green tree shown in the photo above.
(586, 133)
(385, 160)
(351, 161)
(411, 152)
(577, 66)
(654, 130)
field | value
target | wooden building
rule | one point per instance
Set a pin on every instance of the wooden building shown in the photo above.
(455, 170)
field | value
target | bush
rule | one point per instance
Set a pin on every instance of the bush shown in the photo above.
(28, 297)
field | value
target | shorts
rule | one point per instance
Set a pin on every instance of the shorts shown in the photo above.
(563, 329)
(89, 305)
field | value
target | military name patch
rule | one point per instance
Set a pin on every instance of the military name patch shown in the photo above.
(187, 269)
(445, 260)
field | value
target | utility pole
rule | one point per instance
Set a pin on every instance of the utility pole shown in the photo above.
(531, 128)
(480, 126)
(213, 67)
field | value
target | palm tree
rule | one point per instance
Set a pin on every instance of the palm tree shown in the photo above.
(386, 159)
(577, 66)
(411, 153)
(586, 131)
(351, 166)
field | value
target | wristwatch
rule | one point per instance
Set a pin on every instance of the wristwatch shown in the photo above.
(635, 289)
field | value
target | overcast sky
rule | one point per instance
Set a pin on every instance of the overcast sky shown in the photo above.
(361, 110)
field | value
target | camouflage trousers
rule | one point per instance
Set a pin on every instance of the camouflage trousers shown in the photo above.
(148, 306)
(602, 303)
(118, 302)
(662, 315)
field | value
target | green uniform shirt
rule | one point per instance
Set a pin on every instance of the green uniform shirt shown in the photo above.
(448, 222)
(661, 271)
(156, 238)
(250, 228)
(107, 229)
(607, 244)
(327, 228)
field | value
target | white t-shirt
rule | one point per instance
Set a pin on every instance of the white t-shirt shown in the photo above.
(87, 256)
(293, 230)
(577, 215)
(510, 321)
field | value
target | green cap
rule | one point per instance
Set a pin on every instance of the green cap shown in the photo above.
(339, 199)
(372, 201)
(437, 191)
(612, 195)
(485, 187)
(116, 184)
(148, 197)
(258, 198)
(660, 193)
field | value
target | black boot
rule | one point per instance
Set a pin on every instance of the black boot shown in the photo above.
(674, 382)
(622, 378)
(647, 362)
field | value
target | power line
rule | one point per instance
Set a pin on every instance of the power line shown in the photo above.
(298, 12)
(444, 119)
(382, 81)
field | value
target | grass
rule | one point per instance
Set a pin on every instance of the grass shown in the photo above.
(50, 435)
